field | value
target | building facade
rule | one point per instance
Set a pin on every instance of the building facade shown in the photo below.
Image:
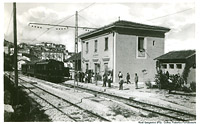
(56, 55)
(123, 46)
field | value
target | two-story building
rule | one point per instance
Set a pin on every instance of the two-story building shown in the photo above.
(123, 46)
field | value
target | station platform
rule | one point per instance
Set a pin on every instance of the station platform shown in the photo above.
(186, 103)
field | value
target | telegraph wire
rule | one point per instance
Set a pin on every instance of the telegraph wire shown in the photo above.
(86, 7)
(170, 14)
(88, 21)
(9, 22)
(61, 22)
(52, 28)
(66, 19)
(40, 35)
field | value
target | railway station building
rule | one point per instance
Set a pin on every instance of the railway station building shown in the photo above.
(123, 46)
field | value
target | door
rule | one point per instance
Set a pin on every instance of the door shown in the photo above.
(97, 68)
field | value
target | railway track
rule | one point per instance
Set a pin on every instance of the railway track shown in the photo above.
(160, 110)
(173, 114)
(65, 107)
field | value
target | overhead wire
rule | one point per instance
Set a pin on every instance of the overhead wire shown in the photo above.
(169, 14)
(88, 21)
(9, 22)
(51, 28)
(86, 7)
(62, 22)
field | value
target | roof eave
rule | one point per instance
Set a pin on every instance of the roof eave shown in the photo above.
(164, 30)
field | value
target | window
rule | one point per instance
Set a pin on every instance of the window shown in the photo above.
(87, 47)
(164, 66)
(95, 45)
(179, 66)
(140, 44)
(86, 66)
(153, 42)
(106, 67)
(171, 66)
(106, 44)
(96, 67)
(141, 47)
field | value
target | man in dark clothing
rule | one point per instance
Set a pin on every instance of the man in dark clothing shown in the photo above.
(109, 80)
(136, 81)
(128, 78)
(121, 84)
(105, 77)
(83, 75)
(80, 76)
(120, 75)
(89, 77)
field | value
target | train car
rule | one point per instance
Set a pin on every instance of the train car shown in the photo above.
(30, 69)
(24, 68)
(50, 70)
(66, 72)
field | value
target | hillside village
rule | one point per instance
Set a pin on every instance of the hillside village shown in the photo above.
(35, 52)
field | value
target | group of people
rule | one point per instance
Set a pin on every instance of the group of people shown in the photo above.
(91, 77)
(107, 78)
(87, 77)
(121, 81)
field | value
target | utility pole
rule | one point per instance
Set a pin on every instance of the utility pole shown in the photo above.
(76, 42)
(15, 43)
(15, 51)
(76, 50)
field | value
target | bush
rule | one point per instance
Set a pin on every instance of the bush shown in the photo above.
(172, 82)
(193, 86)
(162, 81)
(177, 82)
(186, 89)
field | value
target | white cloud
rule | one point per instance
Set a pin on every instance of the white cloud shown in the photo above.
(100, 14)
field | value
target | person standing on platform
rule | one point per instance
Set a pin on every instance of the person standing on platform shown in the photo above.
(96, 78)
(120, 75)
(109, 80)
(128, 78)
(80, 76)
(105, 77)
(92, 77)
(121, 82)
(136, 81)
(83, 76)
(89, 77)
(86, 77)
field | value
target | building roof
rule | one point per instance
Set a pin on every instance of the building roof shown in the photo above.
(177, 55)
(75, 57)
(33, 58)
(128, 25)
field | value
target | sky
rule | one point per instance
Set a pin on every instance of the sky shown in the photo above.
(178, 16)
